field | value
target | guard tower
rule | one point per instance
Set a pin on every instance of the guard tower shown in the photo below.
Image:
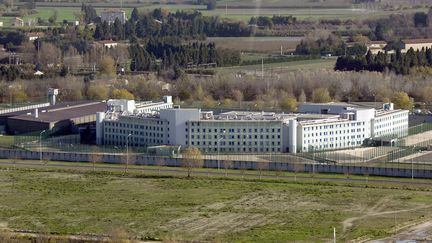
(52, 94)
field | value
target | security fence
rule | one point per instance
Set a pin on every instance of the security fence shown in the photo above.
(139, 159)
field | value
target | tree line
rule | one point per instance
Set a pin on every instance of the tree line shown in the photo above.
(400, 63)
(167, 52)
(188, 25)
(161, 23)
(269, 22)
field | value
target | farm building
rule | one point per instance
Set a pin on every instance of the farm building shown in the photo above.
(416, 44)
(110, 15)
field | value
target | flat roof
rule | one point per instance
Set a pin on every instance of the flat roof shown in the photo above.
(56, 106)
(417, 41)
(381, 112)
(64, 112)
(354, 106)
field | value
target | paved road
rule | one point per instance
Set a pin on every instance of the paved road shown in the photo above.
(213, 172)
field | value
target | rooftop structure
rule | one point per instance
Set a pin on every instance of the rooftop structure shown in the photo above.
(32, 36)
(106, 44)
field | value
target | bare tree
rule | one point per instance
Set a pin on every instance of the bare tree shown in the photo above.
(261, 166)
(192, 158)
(278, 170)
(228, 164)
(46, 158)
(160, 161)
(242, 169)
(127, 159)
(49, 54)
(95, 157)
(297, 167)
(366, 174)
(27, 52)
(72, 59)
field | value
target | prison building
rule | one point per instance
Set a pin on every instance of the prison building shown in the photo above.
(317, 127)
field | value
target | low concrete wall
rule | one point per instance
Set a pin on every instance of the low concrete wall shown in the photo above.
(246, 165)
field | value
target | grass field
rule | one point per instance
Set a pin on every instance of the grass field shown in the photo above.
(242, 10)
(257, 44)
(282, 67)
(205, 208)
(306, 13)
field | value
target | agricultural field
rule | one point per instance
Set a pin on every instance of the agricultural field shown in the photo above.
(312, 13)
(257, 44)
(238, 9)
(286, 3)
(201, 208)
(275, 68)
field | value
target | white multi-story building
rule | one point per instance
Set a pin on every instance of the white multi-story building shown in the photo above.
(140, 113)
(316, 127)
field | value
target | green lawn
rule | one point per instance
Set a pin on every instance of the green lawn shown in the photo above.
(228, 210)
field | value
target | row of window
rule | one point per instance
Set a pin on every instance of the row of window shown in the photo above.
(232, 143)
(232, 130)
(234, 149)
(234, 137)
(312, 128)
(332, 145)
(134, 142)
(333, 132)
(309, 141)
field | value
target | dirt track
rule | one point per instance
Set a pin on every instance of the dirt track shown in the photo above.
(418, 233)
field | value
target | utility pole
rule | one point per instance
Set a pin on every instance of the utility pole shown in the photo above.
(262, 67)
(226, 8)
(40, 145)
(334, 234)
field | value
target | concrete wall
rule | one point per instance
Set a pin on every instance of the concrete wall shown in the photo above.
(24, 108)
(249, 165)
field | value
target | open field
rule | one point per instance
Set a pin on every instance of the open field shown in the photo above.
(285, 3)
(206, 208)
(257, 44)
(274, 68)
(301, 14)
(236, 9)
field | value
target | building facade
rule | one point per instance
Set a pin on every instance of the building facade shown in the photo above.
(416, 44)
(110, 15)
(318, 127)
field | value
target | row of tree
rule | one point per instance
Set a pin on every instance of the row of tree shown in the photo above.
(168, 52)
(269, 22)
(328, 44)
(161, 23)
(400, 63)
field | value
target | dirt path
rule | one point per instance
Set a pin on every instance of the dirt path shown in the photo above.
(418, 233)
(368, 211)
(376, 211)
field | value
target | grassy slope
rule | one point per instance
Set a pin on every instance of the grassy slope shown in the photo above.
(177, 208)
